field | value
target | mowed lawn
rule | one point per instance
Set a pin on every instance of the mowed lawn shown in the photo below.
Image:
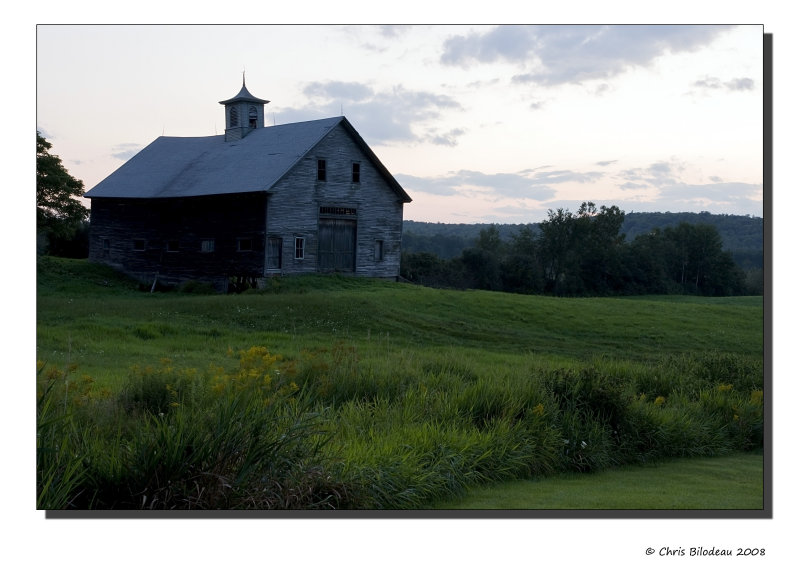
(733, 482)
(86, 315)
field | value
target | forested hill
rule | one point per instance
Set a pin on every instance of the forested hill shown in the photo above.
(743, 236)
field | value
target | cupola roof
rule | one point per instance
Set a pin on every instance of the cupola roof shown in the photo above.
(244, 95)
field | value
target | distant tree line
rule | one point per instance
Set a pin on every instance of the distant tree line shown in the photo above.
(585, 254)
(743, 236)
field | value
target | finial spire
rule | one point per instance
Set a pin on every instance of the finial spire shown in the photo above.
(242, 77)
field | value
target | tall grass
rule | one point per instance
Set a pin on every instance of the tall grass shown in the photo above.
(331, 431)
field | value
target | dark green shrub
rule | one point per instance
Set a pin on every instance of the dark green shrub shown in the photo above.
(598, 395)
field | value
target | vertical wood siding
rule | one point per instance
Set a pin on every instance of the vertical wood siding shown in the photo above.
(294, 203)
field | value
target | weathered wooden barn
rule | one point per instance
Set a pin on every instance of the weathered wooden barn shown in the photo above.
(255, 202)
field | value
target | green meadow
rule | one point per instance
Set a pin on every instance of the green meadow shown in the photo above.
(338, 392)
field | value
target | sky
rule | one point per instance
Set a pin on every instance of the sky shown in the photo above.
(479, 123)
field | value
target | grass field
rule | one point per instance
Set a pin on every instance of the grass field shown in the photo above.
(420, 394)
(732, 482)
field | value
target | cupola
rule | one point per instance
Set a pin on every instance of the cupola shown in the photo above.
(243, 113)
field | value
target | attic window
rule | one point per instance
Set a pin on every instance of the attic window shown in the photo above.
(321, 175)
(234, 117)
(356, 172)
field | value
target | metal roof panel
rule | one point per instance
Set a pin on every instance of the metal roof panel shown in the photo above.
(197, 166)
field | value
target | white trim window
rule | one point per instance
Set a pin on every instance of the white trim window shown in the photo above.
(299, 248)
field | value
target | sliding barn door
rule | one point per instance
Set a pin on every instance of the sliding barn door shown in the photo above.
(337, 245)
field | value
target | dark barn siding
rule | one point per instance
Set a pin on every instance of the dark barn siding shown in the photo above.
(165, 236)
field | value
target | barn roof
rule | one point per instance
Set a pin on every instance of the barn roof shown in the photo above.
(198, 166)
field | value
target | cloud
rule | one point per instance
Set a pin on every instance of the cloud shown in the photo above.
(565, 176)
(511, 42)
(671, 191)
(606, 163)
(555, 54)
(739, 84)
(719, 193)
(381, 116)
(126, 151)
(448, 138)
(526, 184)
(736, 84)
(393, 31)
(658, 174)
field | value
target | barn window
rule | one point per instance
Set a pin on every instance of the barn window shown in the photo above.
(106, 244)
(234, 117)
(207, 246)
(173, 245)
(139, 245)
(338, 211)
(253, 116)
(321, 171)
(274, 250)
(356, 172)
(244, 244)
(299, 248)
(378, 250)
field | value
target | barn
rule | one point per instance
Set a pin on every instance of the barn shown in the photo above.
(256, 202)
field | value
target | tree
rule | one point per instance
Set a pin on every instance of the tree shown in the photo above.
(556, 247)
(58, 211)
(694, 260)
(521, 270)
(481, 263)
(598, 245)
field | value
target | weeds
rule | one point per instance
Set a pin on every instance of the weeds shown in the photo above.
(330, 431)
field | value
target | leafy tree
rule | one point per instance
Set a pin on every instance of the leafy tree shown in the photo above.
(556, 247)
(694, 260)
(58, 211)
(581, 252)
(521, 271)
(598, 244)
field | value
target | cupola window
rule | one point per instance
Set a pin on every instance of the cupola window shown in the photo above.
(253, 116)
(234, 117)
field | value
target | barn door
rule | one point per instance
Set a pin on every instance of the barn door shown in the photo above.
(337, 245)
